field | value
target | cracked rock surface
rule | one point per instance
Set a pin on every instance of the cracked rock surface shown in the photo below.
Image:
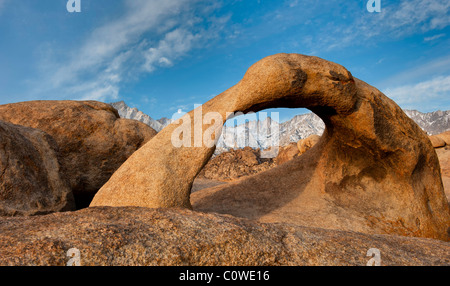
(141, 236)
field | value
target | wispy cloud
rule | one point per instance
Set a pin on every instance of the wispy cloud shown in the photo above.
(395, 21)
(174, 45)
(429, 95)
(435, 37)
(435, 67)
(149, 35)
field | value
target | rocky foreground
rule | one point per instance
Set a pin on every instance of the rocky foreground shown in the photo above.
(168, 237)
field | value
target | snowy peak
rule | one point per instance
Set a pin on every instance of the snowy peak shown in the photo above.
(268, 132)
(433, 122)
(133, 113)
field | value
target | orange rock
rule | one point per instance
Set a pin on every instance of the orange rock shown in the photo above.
(373, 171)
(93, 140)
(287, 153)
(30, 179)
(235, 164)
(437, 141)
(306, 144)
(133, 236)
(445, 136)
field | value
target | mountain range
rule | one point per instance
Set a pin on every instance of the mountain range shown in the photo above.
(266, 133)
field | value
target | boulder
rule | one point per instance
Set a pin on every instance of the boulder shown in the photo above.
(437, 141)
(445, 136)
(235, 164)
(287, 153)
(373, 170)
(30, 181)
(306, 144)
(133, 236)
(93, 140)
(444, 160)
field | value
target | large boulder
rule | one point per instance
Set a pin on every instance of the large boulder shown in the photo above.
(306, 144)
(30, 181)
(445, 136)
(444, 160)
(235, 164)
(93, 140)
(163, 237)
(373, 170)
(287, 153)
(437, 141)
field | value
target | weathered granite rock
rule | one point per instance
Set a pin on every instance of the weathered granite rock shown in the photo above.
(306, 144)
(93, 140)
(287, 153)
(30, 182)
(235, 164)
(437, 141)
(373, 170)
(444, 160)
(445, 136)
(138, 236)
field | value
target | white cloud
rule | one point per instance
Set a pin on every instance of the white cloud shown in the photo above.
(424, 14)
(155, 33)
(174, 45)
(431, 94)
(435, 37)
(438, 66)
(395, 21)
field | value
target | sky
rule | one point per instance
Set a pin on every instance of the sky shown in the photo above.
(164, 56)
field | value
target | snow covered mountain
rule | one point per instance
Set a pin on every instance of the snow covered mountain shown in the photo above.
(433, 122)
(133, 113)
(266, 133)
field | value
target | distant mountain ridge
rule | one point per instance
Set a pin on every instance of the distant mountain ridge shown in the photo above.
(266, 133)
(133, 113)
(432, 122)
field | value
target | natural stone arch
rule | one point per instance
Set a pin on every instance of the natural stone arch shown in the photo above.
(369, 148)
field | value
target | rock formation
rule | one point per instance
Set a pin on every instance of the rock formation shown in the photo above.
(440, 141)
(444, 160)
(306, 144)
(445, 137)
(374, 170)
(164, 237)
(93, 140)
(30, 181)
(437, 141)
(287, 153)
(235, 164)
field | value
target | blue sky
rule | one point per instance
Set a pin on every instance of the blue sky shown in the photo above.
(164, 55)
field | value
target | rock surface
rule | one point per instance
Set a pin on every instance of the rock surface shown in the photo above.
(202, 183)
(287, 153)
(444, 159)
(445, 137)
(30, 182)
(437, 141)
(373, 171)
(93, 140)
(235, 164)
(306, 144)
(145, 237)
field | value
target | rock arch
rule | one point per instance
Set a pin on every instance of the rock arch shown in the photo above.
(372, 161)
